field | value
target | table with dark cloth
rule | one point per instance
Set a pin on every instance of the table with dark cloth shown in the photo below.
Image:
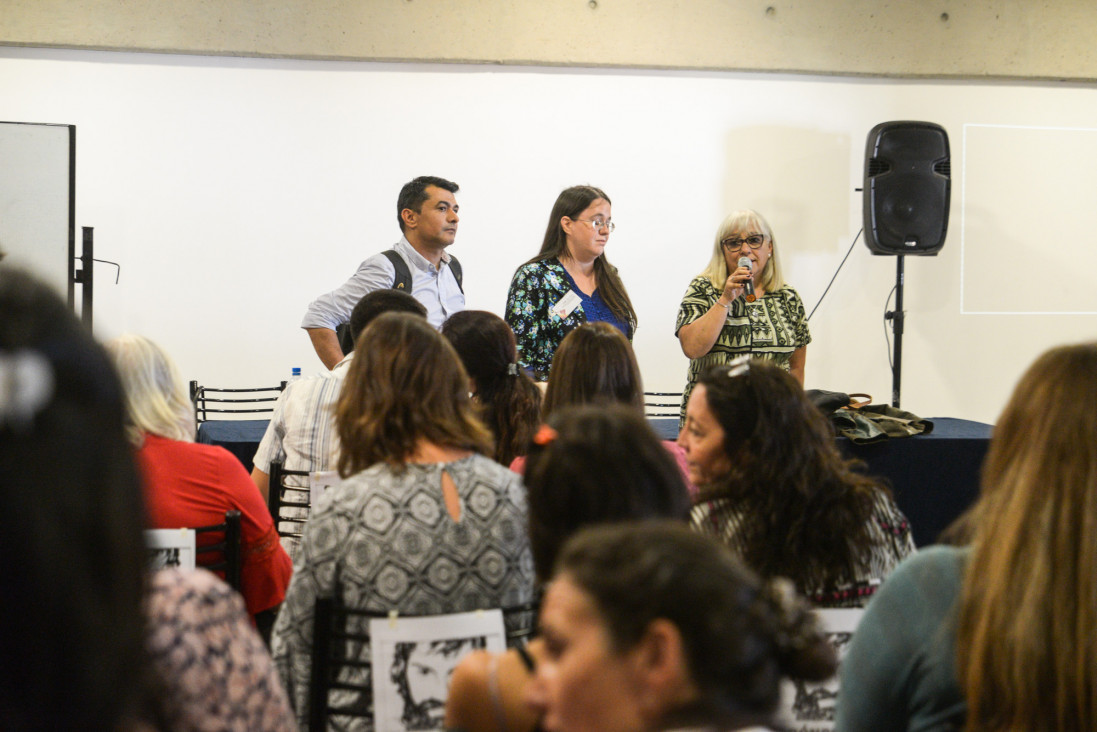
(241, 437)
(935, 477)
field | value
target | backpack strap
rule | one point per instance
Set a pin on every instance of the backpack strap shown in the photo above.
(457, 273)
(402, 280)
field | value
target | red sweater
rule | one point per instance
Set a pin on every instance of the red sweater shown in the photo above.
(189, 485)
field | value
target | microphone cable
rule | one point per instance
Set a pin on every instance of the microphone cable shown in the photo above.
(850, 251)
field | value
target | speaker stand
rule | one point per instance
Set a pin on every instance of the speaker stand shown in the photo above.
(896, 317)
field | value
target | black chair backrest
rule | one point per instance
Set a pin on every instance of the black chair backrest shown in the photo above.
(240, 402)
(336, 647)
(662, 403)
(288, 500)
(226, 556)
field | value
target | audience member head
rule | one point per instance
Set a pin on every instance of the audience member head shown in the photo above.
(597, 464)
(73, 558)
(510, 403)
(594, 364)
(414, 193)
(742, 223)
(653, 626)
(156, 401)
(406, 386)
(374, 303)
(1030, 595)
(752, 436)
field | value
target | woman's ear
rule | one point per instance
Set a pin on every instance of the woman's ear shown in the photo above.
(661, 670)
(566, 223)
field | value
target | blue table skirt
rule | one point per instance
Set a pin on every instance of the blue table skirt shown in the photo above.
(241, 437)
(934, 477)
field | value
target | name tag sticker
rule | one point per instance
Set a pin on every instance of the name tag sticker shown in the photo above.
(566, 305)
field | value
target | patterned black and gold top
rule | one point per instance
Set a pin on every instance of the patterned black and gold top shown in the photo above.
(771, 327)
(890, 541)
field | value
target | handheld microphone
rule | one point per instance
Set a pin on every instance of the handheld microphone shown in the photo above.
(748, 286)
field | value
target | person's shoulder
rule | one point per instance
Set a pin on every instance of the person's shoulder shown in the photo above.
(175, 592)
(485, 466)
(539, 267)
(700, 285)
(934, 566)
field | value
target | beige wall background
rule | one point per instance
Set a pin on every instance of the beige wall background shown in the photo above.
(1006, 39)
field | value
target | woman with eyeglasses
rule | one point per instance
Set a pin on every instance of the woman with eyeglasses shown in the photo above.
(569, 282)
(740, 305)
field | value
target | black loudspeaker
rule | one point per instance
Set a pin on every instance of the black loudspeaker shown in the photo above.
(907, 187)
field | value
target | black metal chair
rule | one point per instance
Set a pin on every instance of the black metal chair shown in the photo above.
(288, 500)
(259, 401)
(224, 555)
(662, 403)
(336, 648)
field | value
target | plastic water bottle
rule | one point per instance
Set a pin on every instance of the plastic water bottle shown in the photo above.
(295, 373)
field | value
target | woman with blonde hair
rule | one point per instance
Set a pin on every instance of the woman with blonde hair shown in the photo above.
(416, 480)
(740, 305)
(999, 635)
(188, 484)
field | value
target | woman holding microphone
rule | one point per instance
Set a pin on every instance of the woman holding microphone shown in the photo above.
(740, 304)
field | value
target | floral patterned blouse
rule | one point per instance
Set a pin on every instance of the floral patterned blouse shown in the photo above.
(771, 327)
(536, 287)
(213, 669)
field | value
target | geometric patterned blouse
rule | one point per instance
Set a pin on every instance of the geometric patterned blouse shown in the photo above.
(770, 328)
(384, 540)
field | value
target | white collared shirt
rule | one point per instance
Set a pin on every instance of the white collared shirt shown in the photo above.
(435, 287)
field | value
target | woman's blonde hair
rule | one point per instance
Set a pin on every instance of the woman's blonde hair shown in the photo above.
(156, 402)
(716, 272)
(1026, 654)
(405, 384)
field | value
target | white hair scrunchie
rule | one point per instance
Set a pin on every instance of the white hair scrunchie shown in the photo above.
(26, 386)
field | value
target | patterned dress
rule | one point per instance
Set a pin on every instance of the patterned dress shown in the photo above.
(771, 327)
(385, 541)
(213, 670)
(890, 540)
(536, 287)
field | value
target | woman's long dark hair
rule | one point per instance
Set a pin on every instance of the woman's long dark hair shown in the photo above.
(509, 401)
(805, 509)
(72, 628)
(571, 202)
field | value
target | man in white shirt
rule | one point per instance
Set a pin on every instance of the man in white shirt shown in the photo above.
(301, 432)
(427, 212)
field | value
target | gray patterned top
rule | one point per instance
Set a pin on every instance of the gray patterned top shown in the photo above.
(386, 540)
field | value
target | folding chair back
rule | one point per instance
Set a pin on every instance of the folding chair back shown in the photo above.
(662, 403)
(224, 555)
(340, 684)
(233, 403)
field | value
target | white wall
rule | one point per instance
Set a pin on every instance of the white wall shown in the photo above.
(232, 191)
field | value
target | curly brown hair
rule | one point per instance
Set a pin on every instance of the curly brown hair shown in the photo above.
(806, 507)
(404, 385)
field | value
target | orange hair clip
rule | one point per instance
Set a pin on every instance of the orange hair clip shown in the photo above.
(545, 435)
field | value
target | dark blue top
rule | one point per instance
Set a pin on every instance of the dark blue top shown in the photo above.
(595, 308)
